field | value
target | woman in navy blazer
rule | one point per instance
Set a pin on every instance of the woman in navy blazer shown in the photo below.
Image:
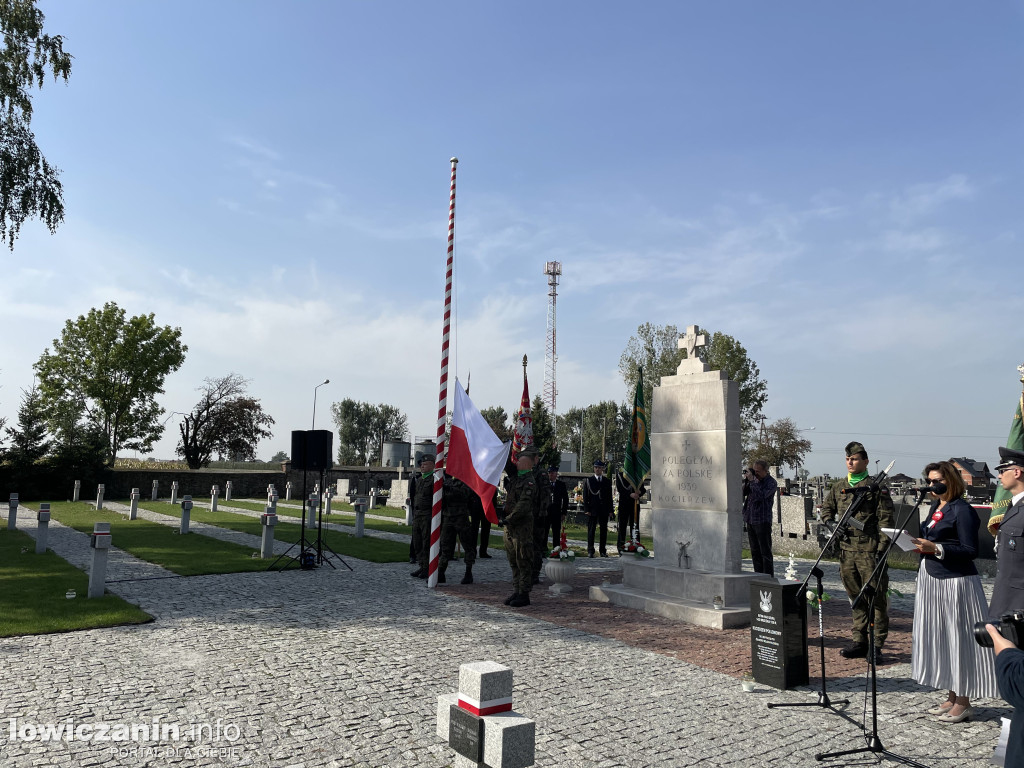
(950, 599)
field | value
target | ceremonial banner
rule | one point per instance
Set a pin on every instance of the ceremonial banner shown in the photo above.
(476, 455)
(638, 459)
(1015, 441)
(522, 436)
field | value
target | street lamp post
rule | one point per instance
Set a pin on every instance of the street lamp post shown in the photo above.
(325, 381)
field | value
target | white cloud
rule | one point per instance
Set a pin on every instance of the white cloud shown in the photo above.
(924, 199)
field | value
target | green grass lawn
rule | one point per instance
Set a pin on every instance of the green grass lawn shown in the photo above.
(366, 548)
(190, 555)
(33, 601)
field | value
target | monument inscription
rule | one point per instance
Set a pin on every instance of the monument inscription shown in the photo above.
(466, 733)
(689, 472)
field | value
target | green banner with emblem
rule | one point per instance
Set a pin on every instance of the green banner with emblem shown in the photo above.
(638, 458)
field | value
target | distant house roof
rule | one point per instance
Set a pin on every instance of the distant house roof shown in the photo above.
(975, 468)
(899, 477)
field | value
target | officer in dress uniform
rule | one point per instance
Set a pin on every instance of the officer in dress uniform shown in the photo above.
(1008, 593)
(597, 506)
(558, 505)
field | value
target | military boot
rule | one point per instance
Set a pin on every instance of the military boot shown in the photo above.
(510, 598)
(522, 599)
(440, 575)
(468, 578)
(417, 574)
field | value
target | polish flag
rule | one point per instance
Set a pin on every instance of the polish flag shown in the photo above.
(476, 455)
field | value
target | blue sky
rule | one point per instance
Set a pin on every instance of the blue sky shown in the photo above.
(836, 185)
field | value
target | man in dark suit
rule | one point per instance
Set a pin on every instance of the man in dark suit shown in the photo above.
(629, 503)
(597, 506)
(1008, 593)
(558, 506)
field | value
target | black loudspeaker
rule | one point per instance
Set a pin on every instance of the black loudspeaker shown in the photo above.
(311, 449)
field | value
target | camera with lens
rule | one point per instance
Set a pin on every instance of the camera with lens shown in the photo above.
(1010, 626)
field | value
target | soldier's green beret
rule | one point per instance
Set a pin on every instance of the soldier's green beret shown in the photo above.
(852, 449)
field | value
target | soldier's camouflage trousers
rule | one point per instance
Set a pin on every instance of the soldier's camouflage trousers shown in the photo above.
(519, 548)
(855, 568)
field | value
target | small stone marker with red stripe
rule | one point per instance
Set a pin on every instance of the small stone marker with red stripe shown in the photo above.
(478, 721)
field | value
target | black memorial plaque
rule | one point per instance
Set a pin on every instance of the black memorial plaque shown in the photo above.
(466, 733)
(778, 634)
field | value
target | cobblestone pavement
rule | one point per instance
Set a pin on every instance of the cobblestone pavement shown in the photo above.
(339, 668)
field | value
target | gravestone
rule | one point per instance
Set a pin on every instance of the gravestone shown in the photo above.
(100, 544)
(267, 520)
(311, 507)
(343, 488)
(174, 492)
(42, 527)
(133, 509)
(696, 503)
(186, 514)
(12, 512)
(78, 491)
(227, 491)
(156, 490)
(99, 496)
(288, 491)
(214, 493)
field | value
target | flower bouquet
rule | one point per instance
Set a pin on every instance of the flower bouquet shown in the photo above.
(637, 548)
(562, 551)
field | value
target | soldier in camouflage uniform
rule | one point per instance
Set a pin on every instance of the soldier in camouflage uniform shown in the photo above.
(520, 505)
(422, 506)
(859, 549)
(457, 521)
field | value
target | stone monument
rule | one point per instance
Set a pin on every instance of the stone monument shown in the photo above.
(696, 497)
(478, 721)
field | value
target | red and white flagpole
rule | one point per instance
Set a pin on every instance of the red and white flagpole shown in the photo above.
(442, 405)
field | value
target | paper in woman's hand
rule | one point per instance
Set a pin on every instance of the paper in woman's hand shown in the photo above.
(905, 540)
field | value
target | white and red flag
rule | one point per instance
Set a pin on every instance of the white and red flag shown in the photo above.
(476, 455)
(522, 432)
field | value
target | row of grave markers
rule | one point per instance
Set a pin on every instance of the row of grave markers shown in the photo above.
(174, 491)
(100, 540)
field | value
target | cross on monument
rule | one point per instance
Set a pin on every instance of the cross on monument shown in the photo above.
(691, 341)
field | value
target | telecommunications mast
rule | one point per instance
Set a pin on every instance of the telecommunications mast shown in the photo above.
(553, 269)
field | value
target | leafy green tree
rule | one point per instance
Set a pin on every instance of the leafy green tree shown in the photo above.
(108, 370)
(781, 445)
(29, 185)
(544, 434)
(225, 421)
(606, 432)
(28, 439)
(363, 428)
(279, 456)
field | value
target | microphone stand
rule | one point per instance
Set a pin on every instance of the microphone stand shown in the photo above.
(869, 591)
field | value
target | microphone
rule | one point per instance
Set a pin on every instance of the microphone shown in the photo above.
(935, 488)
(876, 482)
